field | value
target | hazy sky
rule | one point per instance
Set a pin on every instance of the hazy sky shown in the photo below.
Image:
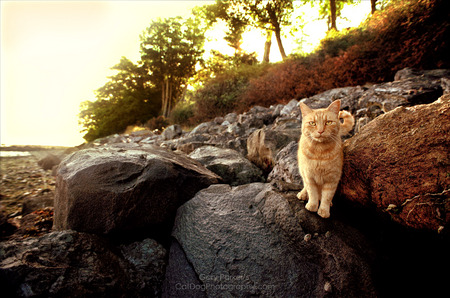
(54, 54)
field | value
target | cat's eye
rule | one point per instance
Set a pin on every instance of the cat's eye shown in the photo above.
(312, 123)
(329, 123)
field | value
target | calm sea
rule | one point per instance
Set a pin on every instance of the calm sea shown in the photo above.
(13, 153)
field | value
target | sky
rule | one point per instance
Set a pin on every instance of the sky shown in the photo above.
(55, 54)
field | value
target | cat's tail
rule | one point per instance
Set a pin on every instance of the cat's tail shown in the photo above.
(349, 121)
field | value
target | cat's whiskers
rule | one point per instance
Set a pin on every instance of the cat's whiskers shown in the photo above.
(320, 154)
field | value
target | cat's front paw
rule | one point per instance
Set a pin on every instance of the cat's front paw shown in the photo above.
(324, 212)
(311, 207)
(302, 195)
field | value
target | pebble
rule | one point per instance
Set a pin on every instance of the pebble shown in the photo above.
(327, 287)
(307, 237)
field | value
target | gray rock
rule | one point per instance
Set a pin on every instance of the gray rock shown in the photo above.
(406, 92)
(286, 166)
(264, 144)
(229, 164)
(287, 109)
(72, 264)
(277, 110)
(231, 117)
(122, 189)
(324, 99)
(181, 280)
(408, 73)
(172, 132)
(250, 241)
(48, 162)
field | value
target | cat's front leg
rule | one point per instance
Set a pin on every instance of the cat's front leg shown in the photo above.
(328, 191)
(313, 197)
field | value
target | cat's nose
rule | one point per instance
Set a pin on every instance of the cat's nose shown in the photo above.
(321, 131)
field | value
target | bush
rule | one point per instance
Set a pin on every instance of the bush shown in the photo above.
(182, 114)
(221, 95)
(157, 124)
(406, 34)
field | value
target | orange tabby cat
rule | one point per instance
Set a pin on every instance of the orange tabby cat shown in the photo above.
(320, 155)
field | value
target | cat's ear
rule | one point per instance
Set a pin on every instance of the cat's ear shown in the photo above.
(335, 106)
(305, 109)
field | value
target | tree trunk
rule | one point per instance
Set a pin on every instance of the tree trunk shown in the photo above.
(333, 14)
(169, 101)
(280, 44)
(267, 46)
(163, 97)
(373, 4)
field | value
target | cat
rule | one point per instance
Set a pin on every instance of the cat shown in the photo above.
(320, 154)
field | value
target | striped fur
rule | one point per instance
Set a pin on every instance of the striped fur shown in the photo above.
(320, 156)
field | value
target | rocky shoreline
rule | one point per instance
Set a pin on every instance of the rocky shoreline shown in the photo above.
(214, 211)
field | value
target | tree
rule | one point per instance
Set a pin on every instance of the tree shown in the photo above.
(221, 10)
(269, 15)
(373, 4)
(127, 98)
(331, 10)
(170, 50)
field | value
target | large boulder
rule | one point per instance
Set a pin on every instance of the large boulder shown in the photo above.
(400, 163)
(125, 188)
(72, 264)
(252, 241)
(229, 164)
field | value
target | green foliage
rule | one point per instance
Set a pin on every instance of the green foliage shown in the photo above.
(325, 9)
(182, 113)
(127, 98)
(171, 49)
(157, 124)
(223, 93)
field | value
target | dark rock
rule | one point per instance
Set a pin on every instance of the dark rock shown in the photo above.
(125, 189)
(264, 144)
(31, 204)
(406, 92)
(6, 228)
(286, 166)
(408, 73)
(72, 264)
(181, 280)
(399, 163)
(229, 164)
(252, 241)
(48, 162)
(36, 223)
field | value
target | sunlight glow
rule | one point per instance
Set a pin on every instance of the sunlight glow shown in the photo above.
(54, 54)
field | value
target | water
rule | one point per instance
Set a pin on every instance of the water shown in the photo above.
(14, 153)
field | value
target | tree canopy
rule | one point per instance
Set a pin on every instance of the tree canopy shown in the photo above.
(172, 57)
(170, 51)
(128, 97)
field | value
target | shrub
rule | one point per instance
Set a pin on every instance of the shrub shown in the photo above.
(157, 124)
(182, 113)
(407, 34)
(221, 95)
